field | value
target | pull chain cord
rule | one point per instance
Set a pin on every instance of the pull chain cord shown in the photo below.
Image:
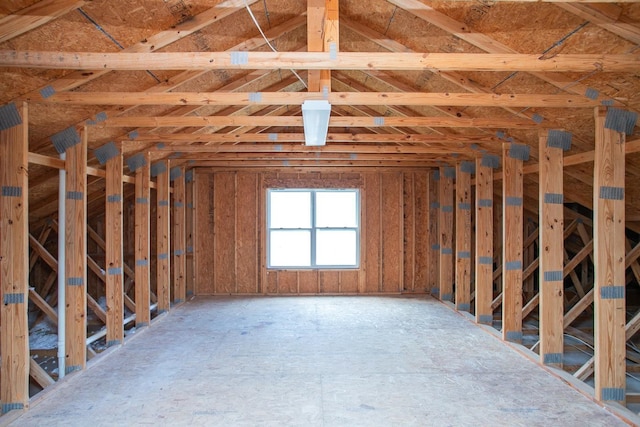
(255, 21)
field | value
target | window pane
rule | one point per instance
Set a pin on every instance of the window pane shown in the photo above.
(290, 248)
(336, 247)
(336, 209)
(290, 209)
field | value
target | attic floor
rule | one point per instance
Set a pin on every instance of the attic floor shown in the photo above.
(313, 361)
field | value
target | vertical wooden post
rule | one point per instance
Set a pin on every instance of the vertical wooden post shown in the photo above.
(76, 255)
(315, 42)
(113, 251)
(142, 244)
(484, 239)
(190, 267)
(163, 270)
(464, 170)
(512, 193)
(551, 226)
(179, 236)
(14, 257)
(331, 39)
(322, 36)
(447, 174)
(433, 272)
(609, 259)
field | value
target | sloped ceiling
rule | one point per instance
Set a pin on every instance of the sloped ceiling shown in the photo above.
(388, 110)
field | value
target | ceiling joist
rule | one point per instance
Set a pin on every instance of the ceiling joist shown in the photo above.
(320, 61)
(335, 98)
(299, 137)
(335, 121)
(295, 148)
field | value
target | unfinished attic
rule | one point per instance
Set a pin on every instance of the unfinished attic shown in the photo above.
(476, 160)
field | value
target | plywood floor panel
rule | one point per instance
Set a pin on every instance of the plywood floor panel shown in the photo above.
(314, 361)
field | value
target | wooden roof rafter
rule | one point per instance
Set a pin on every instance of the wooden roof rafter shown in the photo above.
(35, 16)
(158, 41)
(486, 43)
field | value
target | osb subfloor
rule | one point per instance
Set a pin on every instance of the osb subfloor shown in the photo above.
(312, 361)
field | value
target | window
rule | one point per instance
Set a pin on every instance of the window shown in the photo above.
(313, 228)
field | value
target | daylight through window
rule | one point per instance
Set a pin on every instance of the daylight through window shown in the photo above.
(313, 228)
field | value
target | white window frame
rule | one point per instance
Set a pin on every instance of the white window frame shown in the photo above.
(313, 229)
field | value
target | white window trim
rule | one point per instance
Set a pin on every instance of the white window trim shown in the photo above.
(313, 265)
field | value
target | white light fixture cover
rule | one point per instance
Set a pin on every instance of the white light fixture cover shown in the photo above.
(315, 117)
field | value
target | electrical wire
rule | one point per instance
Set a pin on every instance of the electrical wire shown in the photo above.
(255, 21)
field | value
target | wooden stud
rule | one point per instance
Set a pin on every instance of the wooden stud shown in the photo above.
(484, 243)
(163, 262)
(14, 262)
(363, 270)
(550, 258)
(179, 236)
(463, 236)
(433, 244)
(609, 256)
(189, 231)
(445, 224)
(142, 245)
(75, 255)
(409, 238)
(512, 208)
(114, 251)
(421, 232)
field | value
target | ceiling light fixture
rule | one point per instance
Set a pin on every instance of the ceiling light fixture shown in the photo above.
(315, 117)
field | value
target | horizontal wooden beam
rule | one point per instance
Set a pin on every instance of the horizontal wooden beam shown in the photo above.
(317, 165)
(317, 157)
(297, 148)
(363, 121)
(578, 159)
(556, 1)
(335, 98)
(52, 162)
(299, 137)
(319, 61)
